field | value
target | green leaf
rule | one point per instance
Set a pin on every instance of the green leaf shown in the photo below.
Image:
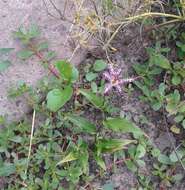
(178, 118)
(108, 186)
(156, 106)
(97, 101)
(94, 87)
(112, 145)
(183, 123)
(161, 61)
(7, 169)
(25, 54)
(75, 74)
(100, 161)
(174, 157)
(70, 157)
(164, 159)
(122, 125)
(4, 65)
(5, 51)
(50, 55)
(140, 151)
(91, 76)
(65, 69)
(131, 165)
(42, 46)
(83, 124)
(176, 80)
(58, 98)
(99, 65)
(33, 31)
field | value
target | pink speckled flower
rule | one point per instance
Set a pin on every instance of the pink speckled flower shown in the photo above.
(114, 79)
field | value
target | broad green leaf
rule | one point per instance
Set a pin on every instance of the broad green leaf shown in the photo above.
(164, 159)
(175, 156)
(25, 54)
(122, 125)
(99, 65)
(161, 61)
(179, 118)
(4, 65)
(7, 169)
(65, 69)
(100, 161)
(140, 151)
(83, 124)
(112, 145)
(58, 98)
(176, 80)
(97, 101)
(91, 76)
(5, 51)
(70, 157)
(131, 165)
(156, 106)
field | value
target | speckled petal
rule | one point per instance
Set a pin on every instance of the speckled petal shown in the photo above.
(118, 87)
(107, 76)
(108, 87)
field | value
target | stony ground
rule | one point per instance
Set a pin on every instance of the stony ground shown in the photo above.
(16, 13)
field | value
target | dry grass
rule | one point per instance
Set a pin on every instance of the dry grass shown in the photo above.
(97, 22)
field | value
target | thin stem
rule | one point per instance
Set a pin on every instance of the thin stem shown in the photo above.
(31, 139)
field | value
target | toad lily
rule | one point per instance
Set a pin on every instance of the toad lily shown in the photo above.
(114, 79)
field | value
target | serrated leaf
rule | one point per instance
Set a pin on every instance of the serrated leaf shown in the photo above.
(83, 124)
(122, 125)
(97, 101)
(99, 65)
(91, 76)
(65, 69)
(4, 65)
(25, 54)
(58, 98)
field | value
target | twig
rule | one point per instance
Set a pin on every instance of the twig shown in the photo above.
(31, 139)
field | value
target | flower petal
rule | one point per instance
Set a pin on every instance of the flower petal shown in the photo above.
(107, 76)
(107, 88)
(118, 87)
